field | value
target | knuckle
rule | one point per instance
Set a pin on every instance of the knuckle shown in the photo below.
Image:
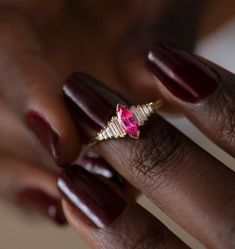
(150, 157)
(225, 113)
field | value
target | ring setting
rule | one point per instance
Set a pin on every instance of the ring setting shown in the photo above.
(127, 122)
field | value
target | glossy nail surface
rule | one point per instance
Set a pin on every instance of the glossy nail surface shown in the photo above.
(48, 137)
(185, 76)
(90, 196)
(95, 164)
(43, 203)
(91, 101)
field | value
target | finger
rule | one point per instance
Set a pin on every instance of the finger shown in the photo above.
(203, 91)
(105, 219)
(191, 186)
(32, 189)
(91, 161)
(131, 67)
(26, 184)
(32, 87)
(26, 178)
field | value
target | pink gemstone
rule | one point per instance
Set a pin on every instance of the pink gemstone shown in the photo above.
(128, 121)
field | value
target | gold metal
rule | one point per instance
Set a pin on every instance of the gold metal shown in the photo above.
(114, 129)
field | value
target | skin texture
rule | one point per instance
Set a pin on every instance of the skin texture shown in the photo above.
(187, 183)
(40, 47)
(213, 105)
(135, 228)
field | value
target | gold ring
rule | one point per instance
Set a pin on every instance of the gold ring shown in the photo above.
(127, 122)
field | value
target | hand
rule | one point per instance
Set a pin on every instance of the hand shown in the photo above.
(39, 47)
(27, 173)
(188, 184)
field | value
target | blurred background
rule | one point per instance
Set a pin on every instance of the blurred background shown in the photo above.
(217, 42)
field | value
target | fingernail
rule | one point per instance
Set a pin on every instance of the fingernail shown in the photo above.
(93, 163)
(91, 101)
(90, 196)
(43, 203)
(185, 76)
(45, 133)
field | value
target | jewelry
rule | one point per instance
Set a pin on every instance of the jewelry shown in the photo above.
(127, 122)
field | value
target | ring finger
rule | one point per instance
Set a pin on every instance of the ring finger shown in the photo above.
(185, 181)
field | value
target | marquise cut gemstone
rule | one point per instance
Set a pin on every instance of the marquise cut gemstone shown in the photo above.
(128, 121)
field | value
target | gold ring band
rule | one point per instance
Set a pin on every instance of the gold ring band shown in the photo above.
(127, 122)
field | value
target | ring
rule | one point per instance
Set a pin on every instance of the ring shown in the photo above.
(127, 122)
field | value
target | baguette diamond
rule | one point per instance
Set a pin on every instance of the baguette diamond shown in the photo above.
(127, 122)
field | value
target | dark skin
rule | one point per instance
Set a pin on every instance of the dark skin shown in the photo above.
(186, 182)
(41, 45)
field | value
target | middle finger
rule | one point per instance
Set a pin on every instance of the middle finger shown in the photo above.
(191, 186)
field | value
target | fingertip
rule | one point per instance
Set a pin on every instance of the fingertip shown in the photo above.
(54, 127)
(182, 74)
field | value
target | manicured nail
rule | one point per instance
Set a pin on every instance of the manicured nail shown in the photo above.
(90, 196)
(91, 101)
(92, 162)
(45, 133)
(185, 76)
(43, 203)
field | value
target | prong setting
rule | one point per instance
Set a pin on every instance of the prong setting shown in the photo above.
(127, 122)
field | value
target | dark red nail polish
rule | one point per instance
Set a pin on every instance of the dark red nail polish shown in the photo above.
(91, 101)
(48, 137)
(90, 196)
(95, 164)
(43, 203)
(185, 76)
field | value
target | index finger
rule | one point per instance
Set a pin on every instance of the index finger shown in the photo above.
(203, 91)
